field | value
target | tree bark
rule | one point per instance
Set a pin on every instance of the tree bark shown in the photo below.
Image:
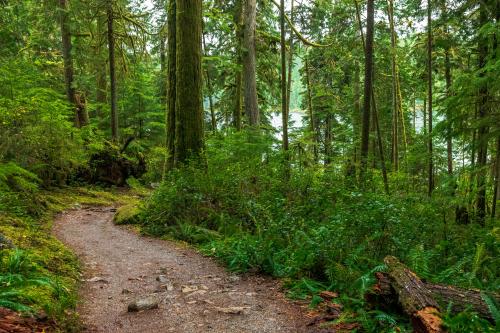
(249, 63)
(171, 81)
(356, 121)
(375, 111)
(213, 119)
(449, 138)
(395, 96)
(415, 299)
(312, 125)
(80, 116)
(112, 74)
(100, 68)
(368, 87)
(482, 137)
(188, 98)
(460, 299)
(429, 97)
(496, 182)
(238, 103)
(284, 97)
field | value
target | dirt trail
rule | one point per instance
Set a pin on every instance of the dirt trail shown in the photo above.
(193, 293)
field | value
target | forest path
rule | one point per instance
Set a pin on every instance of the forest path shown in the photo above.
(194, 293)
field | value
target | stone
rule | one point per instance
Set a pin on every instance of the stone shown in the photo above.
(162, 279)
(145, 303)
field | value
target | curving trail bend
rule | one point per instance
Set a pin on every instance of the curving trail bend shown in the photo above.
(193, 292)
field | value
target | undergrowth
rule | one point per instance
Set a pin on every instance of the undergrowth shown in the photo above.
(316, 229)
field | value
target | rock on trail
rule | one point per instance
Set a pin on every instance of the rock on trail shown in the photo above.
(139, 284)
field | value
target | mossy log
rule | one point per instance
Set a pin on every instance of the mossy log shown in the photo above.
(460, 299)
(414, 297)
(387, 291)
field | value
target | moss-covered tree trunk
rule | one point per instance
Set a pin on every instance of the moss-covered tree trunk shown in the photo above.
(81, 115)
(112, 74)
(249, 63)
(429, 98)
(238, 97)
(482, 134)
(188, 77)
(284, 97)
(100, 68)
(171, 82)
(365, 133)
(312, 125)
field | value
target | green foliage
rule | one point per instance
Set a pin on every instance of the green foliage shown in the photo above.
(128, 214)
(313, 227)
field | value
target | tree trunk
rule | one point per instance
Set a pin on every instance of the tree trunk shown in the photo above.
(415, 299)
(238, 104)
(356, 119)
(290, 61)
(112, 74)
(496, 183)
(312, 125)
(284, 97)
(328, 139)
(395, 97)
(213, 119)
(171, 81)
(460, 299)
(368, 87)
(163, 68)
(482, 137)
(81, 116)
(429, 91)
(188, 98)
(449, 138)
(100, 69)
(249, 63)
(375, 111)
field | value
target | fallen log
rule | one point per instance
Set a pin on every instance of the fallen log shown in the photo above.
(414, 298)
(460, 299)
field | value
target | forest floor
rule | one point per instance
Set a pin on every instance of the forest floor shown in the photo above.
(192, 292)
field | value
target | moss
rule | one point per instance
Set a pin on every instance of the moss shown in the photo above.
(128, 214)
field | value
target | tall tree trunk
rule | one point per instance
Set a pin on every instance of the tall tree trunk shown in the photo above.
(100, 68)
(447, 75)
(238, 103)
(328, 139)
(482, 137)
(290, 61)
(375, 111)
(171, 81)
(112, 74)
(163, 68)
(213, 119)
(249, 63)
(188, 98)
(368, 86)
(395, 95)
(284, 98)
(429, 97)
(496, 183)
(356, 119)
(81, 116)
(312, 125)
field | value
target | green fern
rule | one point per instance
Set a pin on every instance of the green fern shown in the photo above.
(495, 311)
